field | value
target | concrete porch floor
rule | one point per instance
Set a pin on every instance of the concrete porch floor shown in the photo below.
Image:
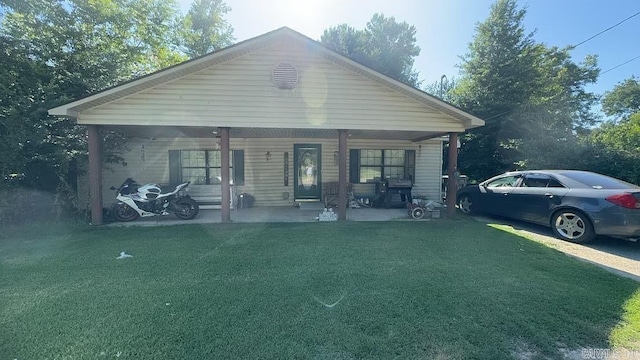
(272, 214)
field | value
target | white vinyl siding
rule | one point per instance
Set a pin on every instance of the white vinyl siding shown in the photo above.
(240, 93)
(148, 161)
(428, 169)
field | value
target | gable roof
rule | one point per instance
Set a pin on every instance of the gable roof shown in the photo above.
(72, 109)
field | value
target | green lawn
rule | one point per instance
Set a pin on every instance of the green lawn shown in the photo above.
(429, 290)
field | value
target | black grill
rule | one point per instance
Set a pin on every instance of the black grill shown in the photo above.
(393, 192)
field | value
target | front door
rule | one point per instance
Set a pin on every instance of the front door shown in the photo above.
(306, 174)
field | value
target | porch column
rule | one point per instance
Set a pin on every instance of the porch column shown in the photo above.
(342, 174)
(452, 172)
(224, 158)
(95, 173)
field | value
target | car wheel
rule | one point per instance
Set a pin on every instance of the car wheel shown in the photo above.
(465, 203)
(572, 225)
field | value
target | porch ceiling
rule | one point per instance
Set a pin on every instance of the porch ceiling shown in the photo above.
(211, 132)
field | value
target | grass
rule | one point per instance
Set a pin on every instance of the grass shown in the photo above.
(436, 290)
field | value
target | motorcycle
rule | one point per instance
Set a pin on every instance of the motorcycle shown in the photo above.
(134, 201)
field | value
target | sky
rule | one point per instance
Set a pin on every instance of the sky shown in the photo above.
(446, 27)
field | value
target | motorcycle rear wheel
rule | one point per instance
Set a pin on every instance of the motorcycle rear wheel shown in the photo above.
(124, 212)
(186, 208)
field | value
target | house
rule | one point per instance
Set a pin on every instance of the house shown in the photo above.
(279, 117)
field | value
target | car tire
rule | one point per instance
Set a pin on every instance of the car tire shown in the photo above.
(572, 225)
(465, 204)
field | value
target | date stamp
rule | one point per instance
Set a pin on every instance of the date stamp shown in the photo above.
(610, 354)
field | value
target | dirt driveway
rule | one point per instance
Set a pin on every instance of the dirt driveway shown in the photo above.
(618, 256)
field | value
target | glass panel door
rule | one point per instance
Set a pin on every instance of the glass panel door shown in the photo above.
(307, 165)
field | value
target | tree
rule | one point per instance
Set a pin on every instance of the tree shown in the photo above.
(496, 74)
(623, 100)
(205, 28)
(59, 50)
(384, 45)
(529, 95)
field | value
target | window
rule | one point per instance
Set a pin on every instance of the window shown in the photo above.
(505, 181)
(203, 167)
(373, 165)
(540, 181)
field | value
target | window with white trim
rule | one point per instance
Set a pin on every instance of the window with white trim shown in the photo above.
(202, 167)
(377, 164)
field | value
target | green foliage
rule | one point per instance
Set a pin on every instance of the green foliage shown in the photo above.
(528, 94)
(623, 100)
(613, 148)
(385, 45)
(205, 28)
(623, 136)
(56, 51)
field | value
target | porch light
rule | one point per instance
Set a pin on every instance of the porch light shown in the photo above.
(267, 155)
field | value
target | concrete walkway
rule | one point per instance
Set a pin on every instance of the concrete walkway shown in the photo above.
(272, 214)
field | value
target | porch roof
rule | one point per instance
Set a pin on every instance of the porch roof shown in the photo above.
(151, 132)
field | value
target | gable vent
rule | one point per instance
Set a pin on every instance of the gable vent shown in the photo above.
(285, 76)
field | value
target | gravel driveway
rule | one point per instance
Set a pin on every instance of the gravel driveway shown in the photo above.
(619, 256)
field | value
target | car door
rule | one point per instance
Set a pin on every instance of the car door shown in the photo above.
(536, 197)
(495, 194)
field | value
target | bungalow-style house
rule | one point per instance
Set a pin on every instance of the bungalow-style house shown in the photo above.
(279, 116)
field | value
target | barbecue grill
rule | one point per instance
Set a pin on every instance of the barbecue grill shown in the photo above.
(394, 192)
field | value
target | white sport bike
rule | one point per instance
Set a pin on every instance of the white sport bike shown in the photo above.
(134, 201)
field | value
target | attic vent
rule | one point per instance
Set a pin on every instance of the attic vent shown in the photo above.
(285, 76)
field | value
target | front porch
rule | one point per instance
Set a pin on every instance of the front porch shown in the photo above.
(275, 117)
(274, 215)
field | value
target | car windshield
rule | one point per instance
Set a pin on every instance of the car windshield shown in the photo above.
(597, 181)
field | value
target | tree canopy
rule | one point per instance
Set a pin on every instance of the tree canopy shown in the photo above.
(55, 51)
(205, 28)
(531, 96)
(623, 100)
(385, 45)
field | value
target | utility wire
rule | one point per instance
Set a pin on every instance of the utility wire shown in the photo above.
(604, 72)
(617, 66)
(573, 47)
(504, 79)
(603, 31)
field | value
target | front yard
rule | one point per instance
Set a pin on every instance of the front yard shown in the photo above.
(431, 290)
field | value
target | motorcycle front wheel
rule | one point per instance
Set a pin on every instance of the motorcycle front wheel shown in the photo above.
(124, 212)
(186, 208)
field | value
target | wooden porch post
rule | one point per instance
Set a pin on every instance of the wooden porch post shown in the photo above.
(95, 173)
(452, 172)
(342, 174)
(224, 158)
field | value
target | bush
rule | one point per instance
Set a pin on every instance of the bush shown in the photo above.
(21, 205)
